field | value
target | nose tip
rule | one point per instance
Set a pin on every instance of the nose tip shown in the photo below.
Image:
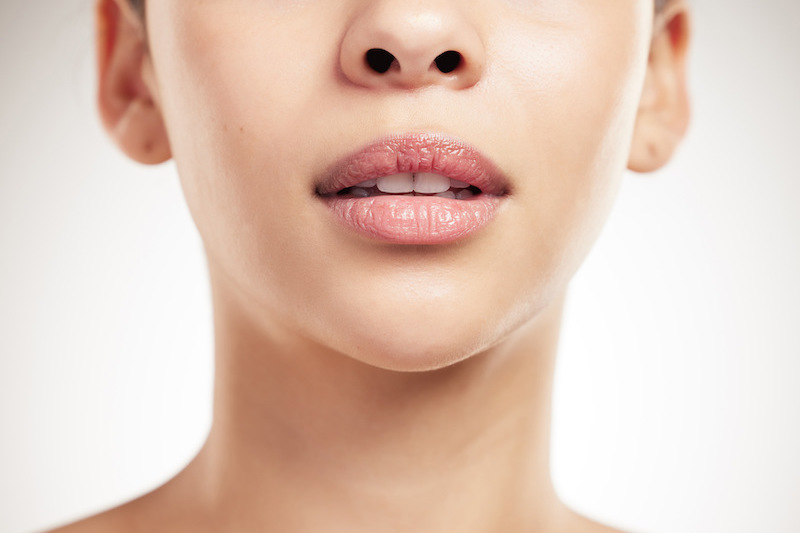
(394, 44)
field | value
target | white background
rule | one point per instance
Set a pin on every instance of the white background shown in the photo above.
(677, 403)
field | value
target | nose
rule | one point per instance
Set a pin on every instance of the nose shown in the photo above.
(411, 44)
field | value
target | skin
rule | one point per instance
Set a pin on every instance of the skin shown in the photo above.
(363, 386)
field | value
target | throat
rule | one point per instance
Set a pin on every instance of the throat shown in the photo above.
(306, 439)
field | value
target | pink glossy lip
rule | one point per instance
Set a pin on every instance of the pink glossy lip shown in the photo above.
(415, 219)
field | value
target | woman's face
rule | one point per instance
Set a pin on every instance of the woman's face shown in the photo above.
(262, 100)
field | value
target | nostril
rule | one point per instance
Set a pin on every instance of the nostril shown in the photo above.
(379, 60)
(448, 61)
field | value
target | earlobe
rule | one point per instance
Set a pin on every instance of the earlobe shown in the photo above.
(126, 95)
(663, 114)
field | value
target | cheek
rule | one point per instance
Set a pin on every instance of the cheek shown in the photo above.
(240, 93)
(574, 91)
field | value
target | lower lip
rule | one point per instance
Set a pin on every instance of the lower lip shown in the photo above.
(415, 219)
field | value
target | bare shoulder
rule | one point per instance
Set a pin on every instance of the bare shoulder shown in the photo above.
(162, 510)
(122, 519)
(580, 524)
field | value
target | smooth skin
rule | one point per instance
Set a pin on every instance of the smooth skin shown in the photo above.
(363, 386)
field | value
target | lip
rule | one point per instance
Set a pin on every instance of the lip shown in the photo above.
(414, 219)
(397, 154)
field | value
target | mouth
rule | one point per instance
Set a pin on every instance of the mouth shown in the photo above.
(414, 189)
(411, 184)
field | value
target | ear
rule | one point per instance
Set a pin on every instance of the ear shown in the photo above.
(664, 107)
(127, 91)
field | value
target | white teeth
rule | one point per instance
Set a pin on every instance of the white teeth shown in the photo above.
(410, 183)
(427, 183)
(463, 194)
(396, 183)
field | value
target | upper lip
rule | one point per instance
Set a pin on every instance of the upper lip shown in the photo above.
(395, 154)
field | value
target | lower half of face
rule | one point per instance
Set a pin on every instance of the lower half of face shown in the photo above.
(266, 101)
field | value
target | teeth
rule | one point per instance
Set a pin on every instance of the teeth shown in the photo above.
(463, 194)
(411, 183)
(397, 183)
(427, 183)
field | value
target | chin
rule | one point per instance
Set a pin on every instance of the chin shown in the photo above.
(432, 322)
(414, 355)
(424, 344)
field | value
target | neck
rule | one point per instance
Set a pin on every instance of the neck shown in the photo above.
(305, 439)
